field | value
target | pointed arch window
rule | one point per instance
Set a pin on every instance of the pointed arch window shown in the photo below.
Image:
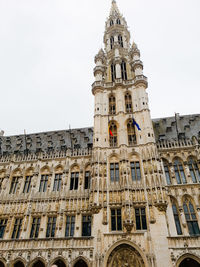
(120, 41)
(131, 133)
(118, 21)
(176, 219)
(112, 105)
(191, 219)
(113, 72)
(194, 170)
(167, 172)
(112, 42)
(111, 22)
(179, 172)
(113, 134)
(123, 71)
(128, 103)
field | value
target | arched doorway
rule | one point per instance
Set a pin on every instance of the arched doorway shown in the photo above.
(125, 255)
(188, 262)
(81, 263)
(1, 264)
(19, 264)
(59, 263)
(38, 264)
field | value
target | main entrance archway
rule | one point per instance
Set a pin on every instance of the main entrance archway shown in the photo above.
(125, 255)
(188, 262)
(19, 264)
(1, 264)
(81, 263)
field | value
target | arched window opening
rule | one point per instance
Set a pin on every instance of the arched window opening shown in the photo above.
(131, 133)
(113, 134)
(179, 172)
(194, 170)
(1, 264)
(80, 263)
(167, 172)
(112, 105)
(111, 42)
(59, 263)
(113, 72)
(128, 103)
(188, 262)
(191, 219)
(38, 264)
(120, 41)
(176, 219)
(19, 264)
(118, 21)
(111, 22)
(123, 70)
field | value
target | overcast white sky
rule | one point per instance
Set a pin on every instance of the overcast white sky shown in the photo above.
(47, 50)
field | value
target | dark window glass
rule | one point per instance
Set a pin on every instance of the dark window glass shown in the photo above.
(118, 21)
(17, 228)
(191, 219)
(111, 42)
(140, 218)
(51, 227)
(70, 225)
(176, 219)
(123, 71)
(128, 103)
(57, 182)
(74, 180)
(27, 184)
(111, 22)
(167, 173)
(135, 171)
(113, 137)
(113, 72)
(86, 225)
(116, 220)
(3, 223)
(87, 180)
(114, 172)
(120, 40)
(179, 172)
(112, 105)
(194, 170)
(43, 183)
(131, 133)
(35, 227)
(14, 184)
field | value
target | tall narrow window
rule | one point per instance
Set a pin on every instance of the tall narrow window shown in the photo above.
(14, 184)
(118, 21)
(43, 183)
(113, 72)
(57, 182)
(167, 173)
(135, 171)
(74, 181)
(87, 180)
(120, 40)
(35, 227)
(112, 105)
(123, 70)
(140, 218)
(191, 219)
(111, 22)
(70, 225)
(194, 170)
(114, 172)
(176, 219)
(17, 228)
(111, 42)
(27, 184)
(113, 134)
(3, 223)
(179, 172)
(86, 225)
(116, 220)
(128, 103)
(51, 227)
(131, 133)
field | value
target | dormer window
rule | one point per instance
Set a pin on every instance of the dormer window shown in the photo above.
(111, 22)
(111, 42)
(120, 40)
(118, 21)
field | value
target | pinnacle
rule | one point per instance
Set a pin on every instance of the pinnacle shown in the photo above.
(114, 8)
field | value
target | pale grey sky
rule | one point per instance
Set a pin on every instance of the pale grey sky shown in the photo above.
(47, 50)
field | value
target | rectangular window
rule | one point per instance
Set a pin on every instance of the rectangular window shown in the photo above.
(3, 223)
(140, 218)
(176, 219)
(51, 227)
(43, 183)
(70, 225)
(87, 180)
(116, 220)
(74, 181)
(17, 228)
(86, 225)
(57, 182)
(14, 184)
(35, 227)
(27, 184)
(135, 171)
(114, 172)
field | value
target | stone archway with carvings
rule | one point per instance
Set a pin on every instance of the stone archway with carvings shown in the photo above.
(125, 255)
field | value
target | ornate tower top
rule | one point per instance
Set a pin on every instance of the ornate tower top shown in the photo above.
(114, 9)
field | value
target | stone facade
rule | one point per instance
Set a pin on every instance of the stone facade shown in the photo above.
(107, 196)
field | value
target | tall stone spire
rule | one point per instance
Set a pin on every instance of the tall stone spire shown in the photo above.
(114, 9)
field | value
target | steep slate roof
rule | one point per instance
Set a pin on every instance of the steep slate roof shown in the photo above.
(165, 129)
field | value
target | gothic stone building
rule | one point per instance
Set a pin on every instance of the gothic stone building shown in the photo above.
(109, 196)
